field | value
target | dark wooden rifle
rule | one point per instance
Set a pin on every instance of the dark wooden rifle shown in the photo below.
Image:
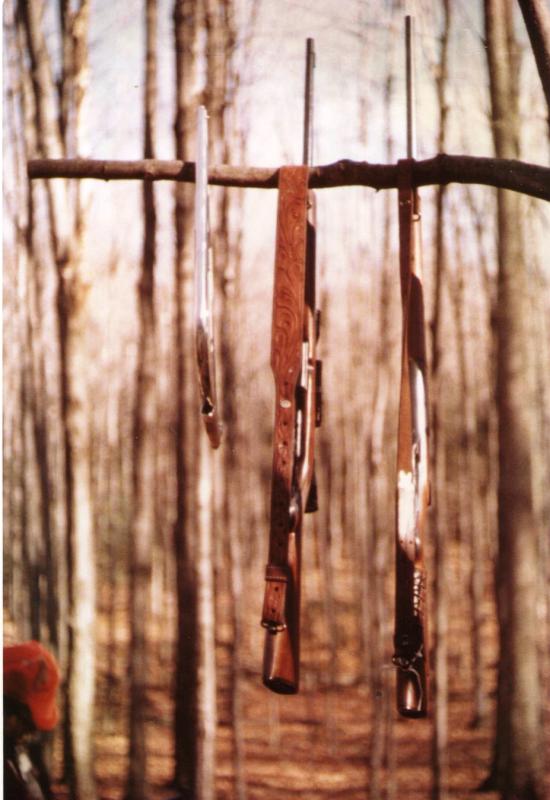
(297, 375)
(413, 488)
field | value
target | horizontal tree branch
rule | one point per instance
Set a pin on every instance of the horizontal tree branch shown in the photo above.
(518, 176)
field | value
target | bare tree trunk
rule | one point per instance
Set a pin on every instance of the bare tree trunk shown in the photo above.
(377, 486)
(536, 15)
(540, 295)
(205, 629)
(144, 429)
(380, 554)
(324, 533)
(470, 491)
(30, 561)
(66, 235)
(519, 768)
(114, 524)
(186, 25)
(219, 94)
(37, 387)
(440, 687)
(30, 269)
(72, 299)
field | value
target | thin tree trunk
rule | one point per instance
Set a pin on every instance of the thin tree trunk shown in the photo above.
(380, 757)
(31, 572)
(66, 236)
(541, 465)
(38, 408)
(144, 433)
(469, 494)
(324, 538)
(536, 15)
(186, 668)
(519, 768)
(205, 629)
(33, 391)
(218, 94)
(112, 501)
(82, 577)
(379, 555)
(440, 687)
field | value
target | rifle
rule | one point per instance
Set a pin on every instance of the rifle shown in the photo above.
(413, 489)
(297, 376)
(204, 321)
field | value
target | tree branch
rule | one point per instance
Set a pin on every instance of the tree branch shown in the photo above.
(530, 179)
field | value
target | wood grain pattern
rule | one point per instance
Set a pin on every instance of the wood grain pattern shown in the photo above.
(288, 290)
(286, 345)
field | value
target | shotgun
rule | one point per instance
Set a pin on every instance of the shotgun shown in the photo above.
(297, 376)
(204, 290)
(413, 488)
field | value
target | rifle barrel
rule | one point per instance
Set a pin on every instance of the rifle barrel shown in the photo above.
(201, 217)
(308, 103)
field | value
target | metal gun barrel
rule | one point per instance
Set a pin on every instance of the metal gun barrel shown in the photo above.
(308, 103)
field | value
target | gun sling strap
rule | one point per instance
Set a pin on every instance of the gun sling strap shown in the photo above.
(286, 363)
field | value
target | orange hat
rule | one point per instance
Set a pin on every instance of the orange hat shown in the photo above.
(31, 675)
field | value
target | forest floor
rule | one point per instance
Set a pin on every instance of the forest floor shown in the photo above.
(317, 745)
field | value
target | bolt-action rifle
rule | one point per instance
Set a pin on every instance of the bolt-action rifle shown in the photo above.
(204, 321)
(413, 489)
(297, 376)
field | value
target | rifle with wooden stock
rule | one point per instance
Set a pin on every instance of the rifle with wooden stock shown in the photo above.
(413, 488)
(297, 376)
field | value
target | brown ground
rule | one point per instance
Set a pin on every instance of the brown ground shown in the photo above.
(315, 745)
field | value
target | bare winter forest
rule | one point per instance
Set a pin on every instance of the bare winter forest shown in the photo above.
(137, 553)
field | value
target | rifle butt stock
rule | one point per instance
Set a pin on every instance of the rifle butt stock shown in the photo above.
(281, 661)
(410, 637)
(412, 686)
